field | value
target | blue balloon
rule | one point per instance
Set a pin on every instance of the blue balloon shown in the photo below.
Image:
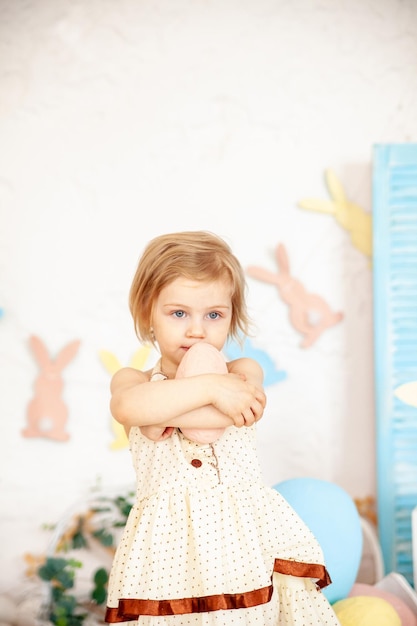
(332, 516)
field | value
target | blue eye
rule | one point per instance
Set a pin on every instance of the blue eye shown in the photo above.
(213, 315)
(179, 313)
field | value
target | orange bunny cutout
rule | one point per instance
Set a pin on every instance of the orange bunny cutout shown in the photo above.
(47, 413)
(309, 313)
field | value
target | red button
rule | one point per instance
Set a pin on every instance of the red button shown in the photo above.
(196, 463)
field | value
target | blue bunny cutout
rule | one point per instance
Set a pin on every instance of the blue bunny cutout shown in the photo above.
(271, 373)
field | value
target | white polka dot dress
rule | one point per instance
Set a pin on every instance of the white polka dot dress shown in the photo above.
(208, 544)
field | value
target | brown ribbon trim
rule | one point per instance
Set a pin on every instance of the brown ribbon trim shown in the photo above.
(131, 608)
(303, 570)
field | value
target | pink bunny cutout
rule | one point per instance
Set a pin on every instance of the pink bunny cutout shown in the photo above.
(303, 306)
(47, 413)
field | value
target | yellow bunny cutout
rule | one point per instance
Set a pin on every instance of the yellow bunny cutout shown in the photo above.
(350, 216)
(112, 365)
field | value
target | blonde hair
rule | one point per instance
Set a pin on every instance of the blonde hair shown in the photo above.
(195, 255)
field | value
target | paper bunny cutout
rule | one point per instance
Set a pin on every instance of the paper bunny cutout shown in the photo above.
(272, 375)
(112, 365)
(302, 304)
(47, 412)
(350, 216)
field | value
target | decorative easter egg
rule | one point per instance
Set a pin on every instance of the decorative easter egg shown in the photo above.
(201, 358)
(366, 611)
(332, 516)
(408, 618)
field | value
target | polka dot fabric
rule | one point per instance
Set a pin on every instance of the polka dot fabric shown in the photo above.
(205, 525)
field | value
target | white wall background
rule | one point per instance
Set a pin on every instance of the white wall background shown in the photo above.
(122, 120)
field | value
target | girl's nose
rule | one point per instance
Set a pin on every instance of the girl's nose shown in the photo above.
(195, 328)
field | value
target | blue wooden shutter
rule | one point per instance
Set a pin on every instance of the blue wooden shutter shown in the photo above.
(395, 348)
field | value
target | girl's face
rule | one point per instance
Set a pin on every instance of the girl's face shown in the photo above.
(188, 311)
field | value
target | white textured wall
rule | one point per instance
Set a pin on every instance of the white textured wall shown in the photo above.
(122, 120)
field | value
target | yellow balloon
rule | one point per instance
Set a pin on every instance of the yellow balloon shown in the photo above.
(366, 611)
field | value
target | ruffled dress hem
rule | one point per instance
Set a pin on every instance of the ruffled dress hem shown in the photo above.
(130, 609)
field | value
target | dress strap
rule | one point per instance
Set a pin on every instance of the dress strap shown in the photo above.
(157, 374)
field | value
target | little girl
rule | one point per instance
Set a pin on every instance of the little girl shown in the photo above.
(206, 542)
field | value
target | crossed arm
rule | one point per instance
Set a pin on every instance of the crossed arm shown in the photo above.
(235, 398)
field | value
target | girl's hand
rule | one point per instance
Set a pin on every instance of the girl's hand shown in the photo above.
(157, 433)
(243, 402)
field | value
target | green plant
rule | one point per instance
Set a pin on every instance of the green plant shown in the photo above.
(99, 593)
(98, 522)
(63, 607)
